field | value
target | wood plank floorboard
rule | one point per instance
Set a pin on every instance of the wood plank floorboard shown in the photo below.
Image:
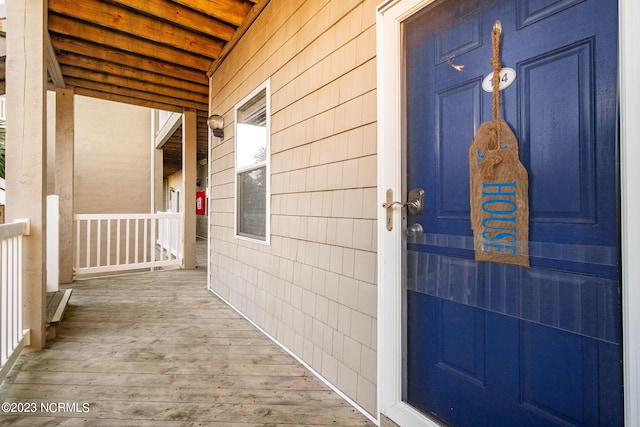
(158, 349)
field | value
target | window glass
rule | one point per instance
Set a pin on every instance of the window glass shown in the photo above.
(252, 203)
(252, 166)
(252, 145)
(251, 131)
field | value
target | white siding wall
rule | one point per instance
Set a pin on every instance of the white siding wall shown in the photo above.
(314, 287)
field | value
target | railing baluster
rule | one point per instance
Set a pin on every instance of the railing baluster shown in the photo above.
(174, 240)
(161, 232)
(88, 243)
(98, 241)
(135, 249)
(18, 284)
(11, 332)
(126, 242)
(146, 242)
(78, 243)
(118, 243)
(108, 242)
(4, 319)
(169, 239)
(152, 243)
(179, 248)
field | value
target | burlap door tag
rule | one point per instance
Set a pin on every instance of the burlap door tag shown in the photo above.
(499, 187)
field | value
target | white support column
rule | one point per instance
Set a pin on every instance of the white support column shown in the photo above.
(157, 159)
(157, 168)
(157, 201)
(26, 73)
(52, 243)
(64, 179)
(189, 171)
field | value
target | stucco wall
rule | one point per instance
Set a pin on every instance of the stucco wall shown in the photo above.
(314, 288)
(112, 157)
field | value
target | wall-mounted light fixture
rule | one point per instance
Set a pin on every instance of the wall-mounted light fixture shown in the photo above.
(216, 123)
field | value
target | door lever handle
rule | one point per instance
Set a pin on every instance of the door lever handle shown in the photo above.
(388, 205)
(414, 205)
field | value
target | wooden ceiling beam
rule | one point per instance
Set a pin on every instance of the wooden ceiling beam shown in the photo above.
(174, 148)
(110, 68)
(232, 11)
(53, 67)
(135, 94)
(95, 34)
(136, 85)
(107, 96)
(126, 21)
(182, 16)
(64, 44)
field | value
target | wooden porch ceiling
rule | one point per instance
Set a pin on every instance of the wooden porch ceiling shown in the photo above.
(150, 53)
(153, 53)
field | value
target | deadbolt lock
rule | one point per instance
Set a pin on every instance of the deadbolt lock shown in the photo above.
(415, 204)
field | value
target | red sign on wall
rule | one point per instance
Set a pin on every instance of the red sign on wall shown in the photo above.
(201, 203)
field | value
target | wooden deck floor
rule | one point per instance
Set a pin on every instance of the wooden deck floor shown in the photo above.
(158, 349)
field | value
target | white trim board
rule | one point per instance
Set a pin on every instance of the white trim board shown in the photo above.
(389, 59)
(629, 33)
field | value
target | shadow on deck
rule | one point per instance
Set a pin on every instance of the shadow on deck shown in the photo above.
(158, 349)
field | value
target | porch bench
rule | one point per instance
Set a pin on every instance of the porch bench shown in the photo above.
(56, 304)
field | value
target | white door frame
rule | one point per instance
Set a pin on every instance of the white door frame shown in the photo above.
(390, 15)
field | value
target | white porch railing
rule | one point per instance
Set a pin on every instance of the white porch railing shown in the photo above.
(106, 243)
(12, 335)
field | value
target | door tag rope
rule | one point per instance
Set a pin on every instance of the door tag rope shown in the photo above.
(498, 184)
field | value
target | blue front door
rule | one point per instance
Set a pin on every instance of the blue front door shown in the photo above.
(492, 344)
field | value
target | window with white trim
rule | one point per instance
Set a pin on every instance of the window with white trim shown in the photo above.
(252, 165)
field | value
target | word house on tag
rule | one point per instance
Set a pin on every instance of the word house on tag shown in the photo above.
(499, 193)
